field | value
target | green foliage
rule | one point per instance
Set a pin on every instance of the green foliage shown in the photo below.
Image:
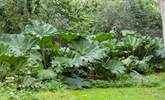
(39, 29)
(133, 62)
(14, 52)
(77, 83)
(100, 83)
(40, 54)
(84, 53)
(88, 52)
(29, 83)
(132, 42)
(68, 36)
(66, 15)
(103, 36)
(132, 80)
(142, 16)
(115, 67)
(46, 75)
(53, 86)
(3, 71)
(77, 40)
(18, 44)
(161, 53)
(82, 16)
(35, 59)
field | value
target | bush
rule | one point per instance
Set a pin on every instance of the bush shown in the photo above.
(40, 54)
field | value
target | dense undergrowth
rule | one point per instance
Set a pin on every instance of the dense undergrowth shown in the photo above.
(136, 92)
(41, 56)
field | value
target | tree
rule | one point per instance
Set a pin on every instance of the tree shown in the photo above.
(162, 9)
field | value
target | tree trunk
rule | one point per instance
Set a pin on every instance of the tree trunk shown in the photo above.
(162, 9)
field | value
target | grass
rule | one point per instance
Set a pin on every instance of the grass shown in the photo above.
(134, 93)
(88, 94)
(120, 94)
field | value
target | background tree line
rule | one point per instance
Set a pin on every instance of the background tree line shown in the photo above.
(82, 16)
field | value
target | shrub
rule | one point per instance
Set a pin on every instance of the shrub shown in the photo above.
(41, 54)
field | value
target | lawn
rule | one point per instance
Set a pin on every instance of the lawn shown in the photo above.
(120, 94)
(89, 94)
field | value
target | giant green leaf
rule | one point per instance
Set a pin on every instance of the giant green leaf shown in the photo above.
(40, 29)
(115, 67)
(17, 43)
(85, 52)
(103, 36)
